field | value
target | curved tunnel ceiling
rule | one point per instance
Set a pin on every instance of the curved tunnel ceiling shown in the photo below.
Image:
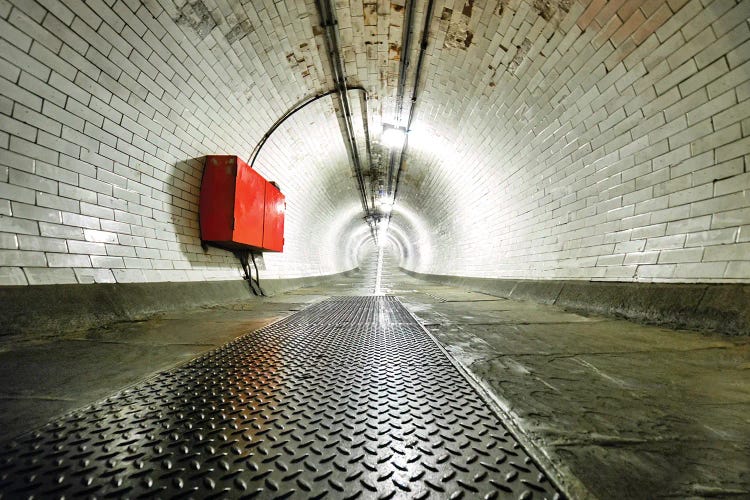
(549, 139)
(532, 124)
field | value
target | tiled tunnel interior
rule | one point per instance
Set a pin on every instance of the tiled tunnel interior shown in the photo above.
(516, 237)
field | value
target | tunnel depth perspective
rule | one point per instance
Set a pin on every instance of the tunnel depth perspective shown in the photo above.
(375, 249)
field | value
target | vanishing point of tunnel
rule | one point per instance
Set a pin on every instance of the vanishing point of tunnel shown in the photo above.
(375, 249)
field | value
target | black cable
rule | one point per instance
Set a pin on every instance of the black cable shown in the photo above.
(257, 275)
(366, 130)
(302, 104)
(297, 107)
(402, 77)
(242, 255)
(307, 101)
(342, 89)
(405, 52)
(329, 22)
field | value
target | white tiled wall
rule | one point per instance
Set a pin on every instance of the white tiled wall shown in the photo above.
(106, 108)
(617, 147)
(585, 139)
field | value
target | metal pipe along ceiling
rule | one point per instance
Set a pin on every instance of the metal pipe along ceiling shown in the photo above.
(329, 22)
(401, 88)
(297, 107)
(420, 60)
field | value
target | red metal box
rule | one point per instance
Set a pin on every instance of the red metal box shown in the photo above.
(273, 221)
(233, 205)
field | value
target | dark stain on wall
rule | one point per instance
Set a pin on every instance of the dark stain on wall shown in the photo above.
(548, 8)
(394, 52)
(196, 15)
(468, 39)
(370, 12)
(458, 34)
(545, 9)
(501, 6)
(239, 31)
(523, 49)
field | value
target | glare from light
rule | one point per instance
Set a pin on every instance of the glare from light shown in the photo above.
(420, 239)
(427, 141)
(379, 274)
(385, 203)
(382, 230)
(393, 138)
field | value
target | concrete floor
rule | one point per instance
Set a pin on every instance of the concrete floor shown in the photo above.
(614, 409)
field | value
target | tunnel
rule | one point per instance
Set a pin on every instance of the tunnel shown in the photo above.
(515, 263)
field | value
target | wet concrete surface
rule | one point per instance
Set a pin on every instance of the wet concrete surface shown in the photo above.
(615, 409)
(45, 377)
(618, 409)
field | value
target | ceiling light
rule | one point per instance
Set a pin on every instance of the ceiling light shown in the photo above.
(385, 203)
(393, 137)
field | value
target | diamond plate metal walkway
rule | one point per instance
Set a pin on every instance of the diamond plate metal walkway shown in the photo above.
(347, 398)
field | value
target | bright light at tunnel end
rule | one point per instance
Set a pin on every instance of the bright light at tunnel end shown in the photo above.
(393, 137)
(381, 227)
(385, 204)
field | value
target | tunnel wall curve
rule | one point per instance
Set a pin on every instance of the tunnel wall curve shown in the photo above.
(715, 307)
(107, 115)
(587, 140)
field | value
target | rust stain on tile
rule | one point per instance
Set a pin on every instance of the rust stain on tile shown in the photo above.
(458, 35)
(394, 51)
(370, 12)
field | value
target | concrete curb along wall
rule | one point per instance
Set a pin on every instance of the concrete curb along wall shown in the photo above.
(49, 310)
(722, 308)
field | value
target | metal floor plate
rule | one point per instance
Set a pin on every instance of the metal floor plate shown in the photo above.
(347, 398)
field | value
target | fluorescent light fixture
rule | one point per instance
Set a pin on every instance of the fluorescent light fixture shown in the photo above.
(393, 137)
